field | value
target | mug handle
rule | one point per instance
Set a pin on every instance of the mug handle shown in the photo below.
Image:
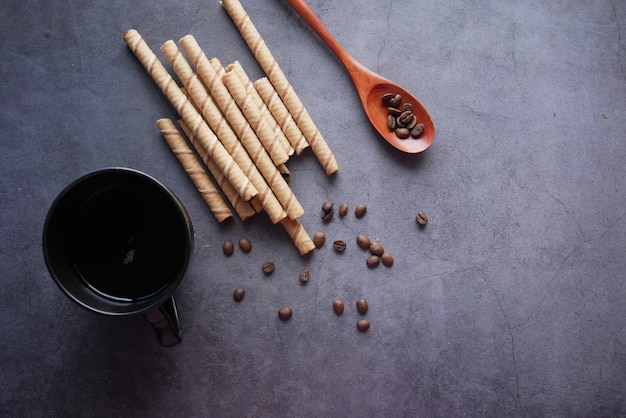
(165, 321)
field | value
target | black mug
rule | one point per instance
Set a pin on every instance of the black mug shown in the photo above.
(118, 242)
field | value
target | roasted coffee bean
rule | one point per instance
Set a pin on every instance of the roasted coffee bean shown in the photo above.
(362, 325)
(238, 294)
(338, 306)
(328, 206)
(392, 122)
(387, 98)
(360, 210)
(394, 112)
(417, 131)
(229, 248)
(396, 101)
(376, 248)
(363, 241)
(412, 123)
(245, 245)
(339, 246)
(343, 210)
(285, 313)
(372, 261)
(405, 117)
(421, 218)
(403, 133)
(327, 216)
(361, 306)
(304, 276)
(407, 107)
(268, 267)
(387, 259)
(319, 238)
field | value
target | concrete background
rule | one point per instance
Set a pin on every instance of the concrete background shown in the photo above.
(509, 303)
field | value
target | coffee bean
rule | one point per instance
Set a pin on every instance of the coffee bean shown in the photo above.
(343, 210)
(392, 122)
(372, 261)
(268, 267)
(421, 218)
(238, 294)
(396, 101)
(360, 210)
(403, 133)
(338, 306)
(412, 123)
(327, 216)
(304, 276)
(339, 246)
(327, 206)
(361, 306)
(285, 313)
(319, 238)
(394, 112)
(405, 117)
(362, 325)
(407, 107)
(387, 259)
(229, 248)
(363, 241)
(245, 245)
(387, 98)
(376, 248)
(417, 131)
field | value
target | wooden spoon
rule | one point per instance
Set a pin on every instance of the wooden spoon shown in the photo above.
(371, 87)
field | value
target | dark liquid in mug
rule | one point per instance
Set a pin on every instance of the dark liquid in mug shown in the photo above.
(128, 242)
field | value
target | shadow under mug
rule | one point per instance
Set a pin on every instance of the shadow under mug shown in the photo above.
(118, 242)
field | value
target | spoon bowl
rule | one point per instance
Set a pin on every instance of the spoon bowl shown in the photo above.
(371, 87)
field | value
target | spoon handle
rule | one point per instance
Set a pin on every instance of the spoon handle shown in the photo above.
(314, 22)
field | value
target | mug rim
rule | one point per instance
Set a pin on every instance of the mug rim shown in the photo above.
(125, 308)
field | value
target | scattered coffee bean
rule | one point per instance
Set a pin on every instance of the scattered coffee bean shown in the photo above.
(361, 306)
(403, 133)
(377, 249)
(229, 248)
(372, 261)
(338, 306)
(417, 130)
(363, 241)
(319, 238)
(339, 246)
(285, 313)
(327, 216)
(268, 267)
(238, 294)
(304, 276)
(362, 325)
(343, 210)
(387, 259)
(327, 206)
(360, 210)
(245, 245)
(421, 218)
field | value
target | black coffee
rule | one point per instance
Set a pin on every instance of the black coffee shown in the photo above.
(128, 242)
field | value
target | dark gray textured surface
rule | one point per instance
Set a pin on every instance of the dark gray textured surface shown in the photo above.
(510, 303)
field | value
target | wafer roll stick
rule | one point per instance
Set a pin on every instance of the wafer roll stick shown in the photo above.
(299, 236)
(279, 135)
(194, 170)
(264, 57)
(203, 101)
(244, 209)
(187, 111)
(281, 114)
(259, 154)
(255, 117)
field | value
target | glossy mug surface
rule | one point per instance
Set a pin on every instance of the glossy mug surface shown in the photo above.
(118, 242)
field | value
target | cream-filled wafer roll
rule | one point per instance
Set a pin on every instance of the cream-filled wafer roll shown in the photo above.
(299, 236)
(281, 114)
(208, 72)
(284, 89)
(203, 101)
(187, 111)
(194, 170)
(259, 154)
(255, 117)
(279, 135)
(244, 209)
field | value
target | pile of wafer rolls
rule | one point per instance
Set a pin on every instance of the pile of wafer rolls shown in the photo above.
(235, 136)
